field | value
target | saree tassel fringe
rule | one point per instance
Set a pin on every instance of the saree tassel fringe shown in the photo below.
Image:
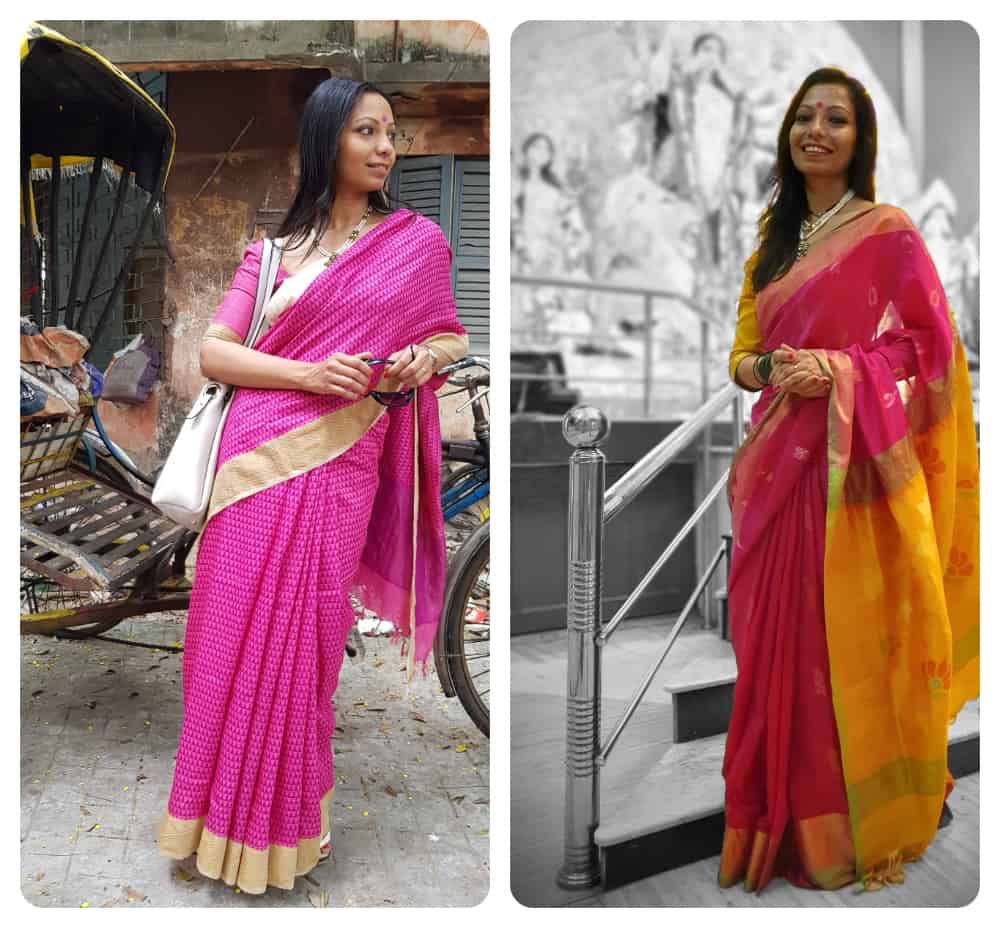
(889, 872)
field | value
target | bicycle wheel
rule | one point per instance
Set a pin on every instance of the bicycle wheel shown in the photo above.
(467, 629)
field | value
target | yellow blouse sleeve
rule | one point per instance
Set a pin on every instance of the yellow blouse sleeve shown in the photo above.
(748, 339)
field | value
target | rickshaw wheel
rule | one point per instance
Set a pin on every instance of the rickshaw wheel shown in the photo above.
(41, 597)
(87, 631)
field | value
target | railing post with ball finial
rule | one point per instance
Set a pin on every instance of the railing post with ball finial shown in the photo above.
(585, 428)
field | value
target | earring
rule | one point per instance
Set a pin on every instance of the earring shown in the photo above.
(383, 196)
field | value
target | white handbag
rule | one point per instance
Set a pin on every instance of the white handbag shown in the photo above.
(184, 486)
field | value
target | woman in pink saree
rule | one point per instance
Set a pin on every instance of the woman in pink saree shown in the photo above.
(327, 485)
(854, 588)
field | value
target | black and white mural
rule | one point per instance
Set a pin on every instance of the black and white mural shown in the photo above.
(641, 153)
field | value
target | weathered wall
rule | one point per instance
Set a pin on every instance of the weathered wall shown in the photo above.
(441, 119)
(209, 234)
(412, 50)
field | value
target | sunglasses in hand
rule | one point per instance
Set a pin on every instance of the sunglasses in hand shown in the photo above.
(391, 398)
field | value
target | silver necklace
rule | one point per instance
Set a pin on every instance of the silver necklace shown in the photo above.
(331, 256)
(812, 223)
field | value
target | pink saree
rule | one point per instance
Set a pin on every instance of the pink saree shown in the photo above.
(854, 590)
(315, 497)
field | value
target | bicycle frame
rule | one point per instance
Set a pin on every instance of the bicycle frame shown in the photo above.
(473, 482)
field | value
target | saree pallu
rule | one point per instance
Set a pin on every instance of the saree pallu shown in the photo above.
(315, 498)
(854, 588)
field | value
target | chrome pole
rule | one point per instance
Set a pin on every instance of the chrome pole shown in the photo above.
(585, 428)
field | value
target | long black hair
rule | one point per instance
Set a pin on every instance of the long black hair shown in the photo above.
(326, 112)
(779, 224)
(545, 171)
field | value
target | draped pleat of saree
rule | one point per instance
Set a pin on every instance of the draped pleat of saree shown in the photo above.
(316, 497)
(854, 588)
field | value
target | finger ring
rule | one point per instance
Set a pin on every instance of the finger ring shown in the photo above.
(413, 353)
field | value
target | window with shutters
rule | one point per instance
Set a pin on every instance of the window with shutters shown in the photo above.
(455, 193)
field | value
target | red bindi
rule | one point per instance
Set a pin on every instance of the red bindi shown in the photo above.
(819, 104)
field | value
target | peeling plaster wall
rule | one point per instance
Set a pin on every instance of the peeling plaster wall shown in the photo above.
(421, 40)
(173, 42)
(209, 234)
(364, 49)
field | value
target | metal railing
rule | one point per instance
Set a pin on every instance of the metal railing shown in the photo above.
(591, 507)
(706, 320)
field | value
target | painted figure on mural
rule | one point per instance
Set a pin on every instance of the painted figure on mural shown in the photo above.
(704, 155)
(549, 238)
(956, 259)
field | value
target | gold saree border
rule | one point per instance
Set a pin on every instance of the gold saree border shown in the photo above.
(831, 251)
(220, 330)
(454, 347)
(311, 445)
(882, 474)
(294, 453)
(826, 846)
(822, 843)
(251, 869)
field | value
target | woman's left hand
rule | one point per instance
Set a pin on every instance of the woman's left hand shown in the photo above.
(412, 366)
(798, 371)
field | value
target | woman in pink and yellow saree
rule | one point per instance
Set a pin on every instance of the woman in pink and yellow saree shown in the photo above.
(854, 588)
(327, 484)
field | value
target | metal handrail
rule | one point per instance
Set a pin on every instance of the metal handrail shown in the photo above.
(653, 463)
(609, 629)
(643, 687)
(628, 289)
(590, 509)
(706, 319)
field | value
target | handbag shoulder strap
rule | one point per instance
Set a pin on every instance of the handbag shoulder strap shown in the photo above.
(270, 261)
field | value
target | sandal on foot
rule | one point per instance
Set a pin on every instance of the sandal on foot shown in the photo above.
(324, 847)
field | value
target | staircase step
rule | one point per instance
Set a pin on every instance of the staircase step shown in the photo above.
(674, 815)
(702, 691)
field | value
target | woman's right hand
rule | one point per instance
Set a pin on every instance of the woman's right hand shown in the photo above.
(345, 375)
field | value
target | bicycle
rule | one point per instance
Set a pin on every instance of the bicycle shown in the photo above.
(462, 645)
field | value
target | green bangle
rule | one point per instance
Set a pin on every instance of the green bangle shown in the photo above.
(762, 368)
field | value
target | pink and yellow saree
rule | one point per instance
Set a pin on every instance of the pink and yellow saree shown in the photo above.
(315, 497)
(854, 589)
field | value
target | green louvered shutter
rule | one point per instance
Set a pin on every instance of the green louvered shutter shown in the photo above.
(470, 243)
(425, 184)
(456, 195)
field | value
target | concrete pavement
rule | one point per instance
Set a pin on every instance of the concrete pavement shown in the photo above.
(99, 730)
